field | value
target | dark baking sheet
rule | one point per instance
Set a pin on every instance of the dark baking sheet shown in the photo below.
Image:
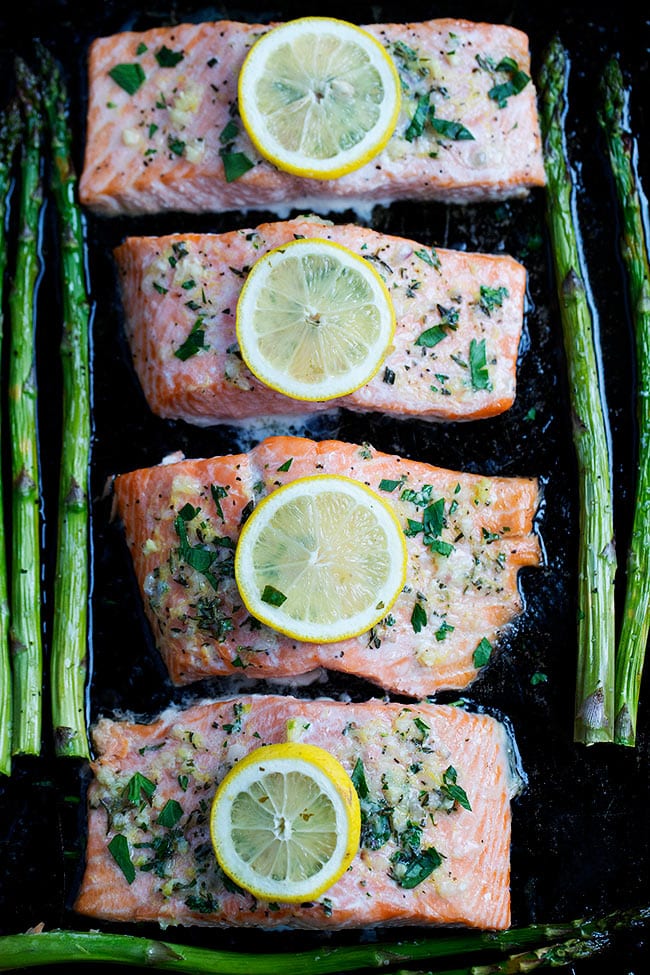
(580, 835)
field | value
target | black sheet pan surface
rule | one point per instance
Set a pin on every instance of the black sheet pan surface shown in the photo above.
(581, 840)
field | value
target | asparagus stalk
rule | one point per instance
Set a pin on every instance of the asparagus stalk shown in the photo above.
(567, 941)
(69, 645)
(594, 709)
(26, 644)
(10, 126)
(633, 637)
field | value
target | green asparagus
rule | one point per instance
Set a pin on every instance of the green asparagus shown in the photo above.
(633, 638)
(594, 710)
(10, 126)
(69, 644)
(25, 604)
(95, 947)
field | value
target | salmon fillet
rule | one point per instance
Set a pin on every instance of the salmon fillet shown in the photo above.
(404, 755)
(454, 357)
(156, 141)
(461, 587)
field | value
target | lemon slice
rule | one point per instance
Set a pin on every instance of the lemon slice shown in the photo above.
(321, 559)
(285, 822)
(318, 96)
(314, 320)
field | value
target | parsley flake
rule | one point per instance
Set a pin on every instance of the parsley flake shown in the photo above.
(170, 814)
(167, 58)
(480, 375)
(119, 850)
(235, 164)
(417, 123)
(194, 341)
(272, 596)
(491, 298)
(128, 76)
(482, 653)
(418, 617)
(517, 81)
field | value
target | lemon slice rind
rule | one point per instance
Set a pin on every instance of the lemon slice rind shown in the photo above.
(298, 99)
(273, 796)
(346, 350)
(329, 587)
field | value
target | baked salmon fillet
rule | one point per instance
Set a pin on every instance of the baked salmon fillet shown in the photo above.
(467, 537)
(454, 357)
(162, 118)
(429, 854)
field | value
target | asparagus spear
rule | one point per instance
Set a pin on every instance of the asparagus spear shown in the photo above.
(26, 644)
(594, 710)
(68, 665)
(633, 637)
(10, 125)
(569, 940)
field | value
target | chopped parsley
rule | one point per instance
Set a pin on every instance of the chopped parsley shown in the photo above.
(285, 467)
(517, 81)
(177, 146)
(443, 630)
(419, 498)
(452, 790)
(433, 519)
(128, 76)
(411, 864)
(482, 653)
(375, 814)
(119, 850)
(418, 617)
(209, 615)
(219, 492)
(167, 58)
(236, 725)
(425, 112)
(431, 336)
(170, 814)
(429, 257)
(235, 164)
(491, 298)
(194, 341)
(139, 789)
(272, 596)
(480, 375)
(202, 903)
(229, 132)
(442, 548)
(449, 130)
(198, 557)
(387, 485)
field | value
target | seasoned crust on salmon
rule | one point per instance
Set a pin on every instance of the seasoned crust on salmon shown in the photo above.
(462, 574)
(405, 753)
(454, 356)
(157, 143)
